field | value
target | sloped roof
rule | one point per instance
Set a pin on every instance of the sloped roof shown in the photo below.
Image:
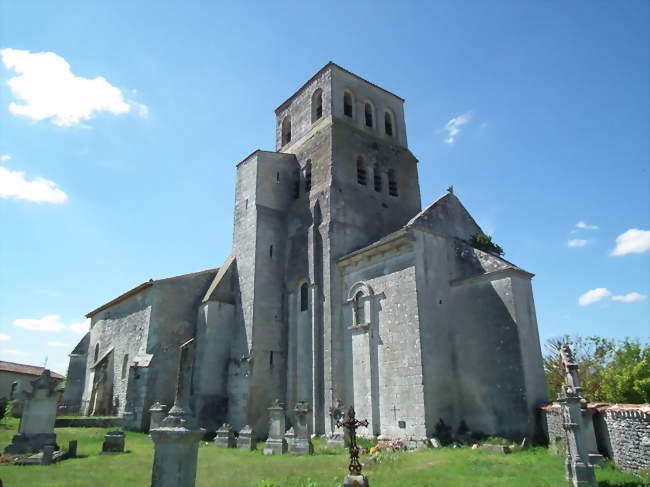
(82, 347)
(142, 287)
(447, 216)
(26, 369)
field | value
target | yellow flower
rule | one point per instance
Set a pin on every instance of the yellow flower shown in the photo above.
(373, 450)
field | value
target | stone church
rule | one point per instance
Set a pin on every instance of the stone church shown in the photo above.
(339, 287)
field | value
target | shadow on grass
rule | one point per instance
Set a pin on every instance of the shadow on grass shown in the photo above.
(607, 483)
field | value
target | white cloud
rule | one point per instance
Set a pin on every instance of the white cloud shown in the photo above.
(593, 296)
(13, 184)
(47, 323)
(630, 297)
(634, 241)
(5, 158)
(81, 328)
(583, 226)
(453, 126)
(48, 292)
(17, 353)
(4, 337)
(49, 90)
(576, 243)
(59, 344)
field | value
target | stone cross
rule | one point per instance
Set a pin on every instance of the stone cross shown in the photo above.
(176, 440)
(579, 471)
(395, 409)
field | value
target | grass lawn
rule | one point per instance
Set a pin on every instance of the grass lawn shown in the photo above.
(443, 467)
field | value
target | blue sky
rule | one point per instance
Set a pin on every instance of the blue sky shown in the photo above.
(537, 113)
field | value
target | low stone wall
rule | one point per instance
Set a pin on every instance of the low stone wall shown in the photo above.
(618, 431)
(89, 422)
(629, 435)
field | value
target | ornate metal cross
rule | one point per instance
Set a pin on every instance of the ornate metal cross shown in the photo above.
(351, 424)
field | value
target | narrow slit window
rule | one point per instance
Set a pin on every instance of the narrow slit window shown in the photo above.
(308, 177)
(359, 311)
(296, 184)
(96, 352)
(286, 130)
(388, 124)
(271, 359)
(377, 178)
(317, 105)
(347, 104)
(362, 175)
(368, 113)
(271, 251)
(304, 297)
(277, 177)
(392, 183)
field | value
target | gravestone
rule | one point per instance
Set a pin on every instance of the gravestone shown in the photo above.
(176, 440)
(302, 444)
(247, 439)
(225, 437)
(113, 442)
(72, 449)
(157, 413)
(39, 399)
(275, 443)
(579, 471)
(336, 437)
(290, 435)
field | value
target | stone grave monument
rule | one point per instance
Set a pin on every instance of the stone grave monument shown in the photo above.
(247, 439)
(39, 399)
(355, 477)
(289, 436)
(336, 437)
(275, 443)
(113, 442)
(176, 440)
(225, 437)
(579, 471)
(157, 413)
(302, 444)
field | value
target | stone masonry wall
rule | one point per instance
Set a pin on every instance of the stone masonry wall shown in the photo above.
(629, 436)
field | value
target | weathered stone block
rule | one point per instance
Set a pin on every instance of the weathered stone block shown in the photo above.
(113, 442)
(247, 439)
(356, 481)
(225, 437)
(496, 448)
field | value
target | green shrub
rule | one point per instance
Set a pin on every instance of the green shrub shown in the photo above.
(484, 242)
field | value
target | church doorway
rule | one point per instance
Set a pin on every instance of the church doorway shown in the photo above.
(101, 398)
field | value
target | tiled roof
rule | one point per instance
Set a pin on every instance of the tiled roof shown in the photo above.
(26, 369)
(140, 287)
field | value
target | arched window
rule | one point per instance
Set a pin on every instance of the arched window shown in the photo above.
(96, 352)
(125, 365)
(392, 183)
(304, 297)
(347, 104)
(307, 172)
(362, 176)
(368, 114)
(359, 311)
(377, 178)
(316, 105)
(388, 124)
(286, 130)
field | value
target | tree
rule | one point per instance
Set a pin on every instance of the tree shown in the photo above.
(616, 371)
(484, 242)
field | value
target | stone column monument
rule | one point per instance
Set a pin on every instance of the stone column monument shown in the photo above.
(276, 444)
(157, 413)
(39, 400)
(579, 471)
(302, 444)
(176, 439)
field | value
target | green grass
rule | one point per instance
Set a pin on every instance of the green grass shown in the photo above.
(237, 468)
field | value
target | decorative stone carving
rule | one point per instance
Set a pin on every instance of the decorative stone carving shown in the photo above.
(302, 444)
(225, 437)
(39, 399)
(579, 471)
(275, 443)
(157, 413)
(176, 439)
(247, 439)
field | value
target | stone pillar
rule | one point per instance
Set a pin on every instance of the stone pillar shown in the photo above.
(157, 413)
(247, 439)
(39, 399)
(225, 437)
(72, 449)
(276, 444)
(302, 444)
(176, 440)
